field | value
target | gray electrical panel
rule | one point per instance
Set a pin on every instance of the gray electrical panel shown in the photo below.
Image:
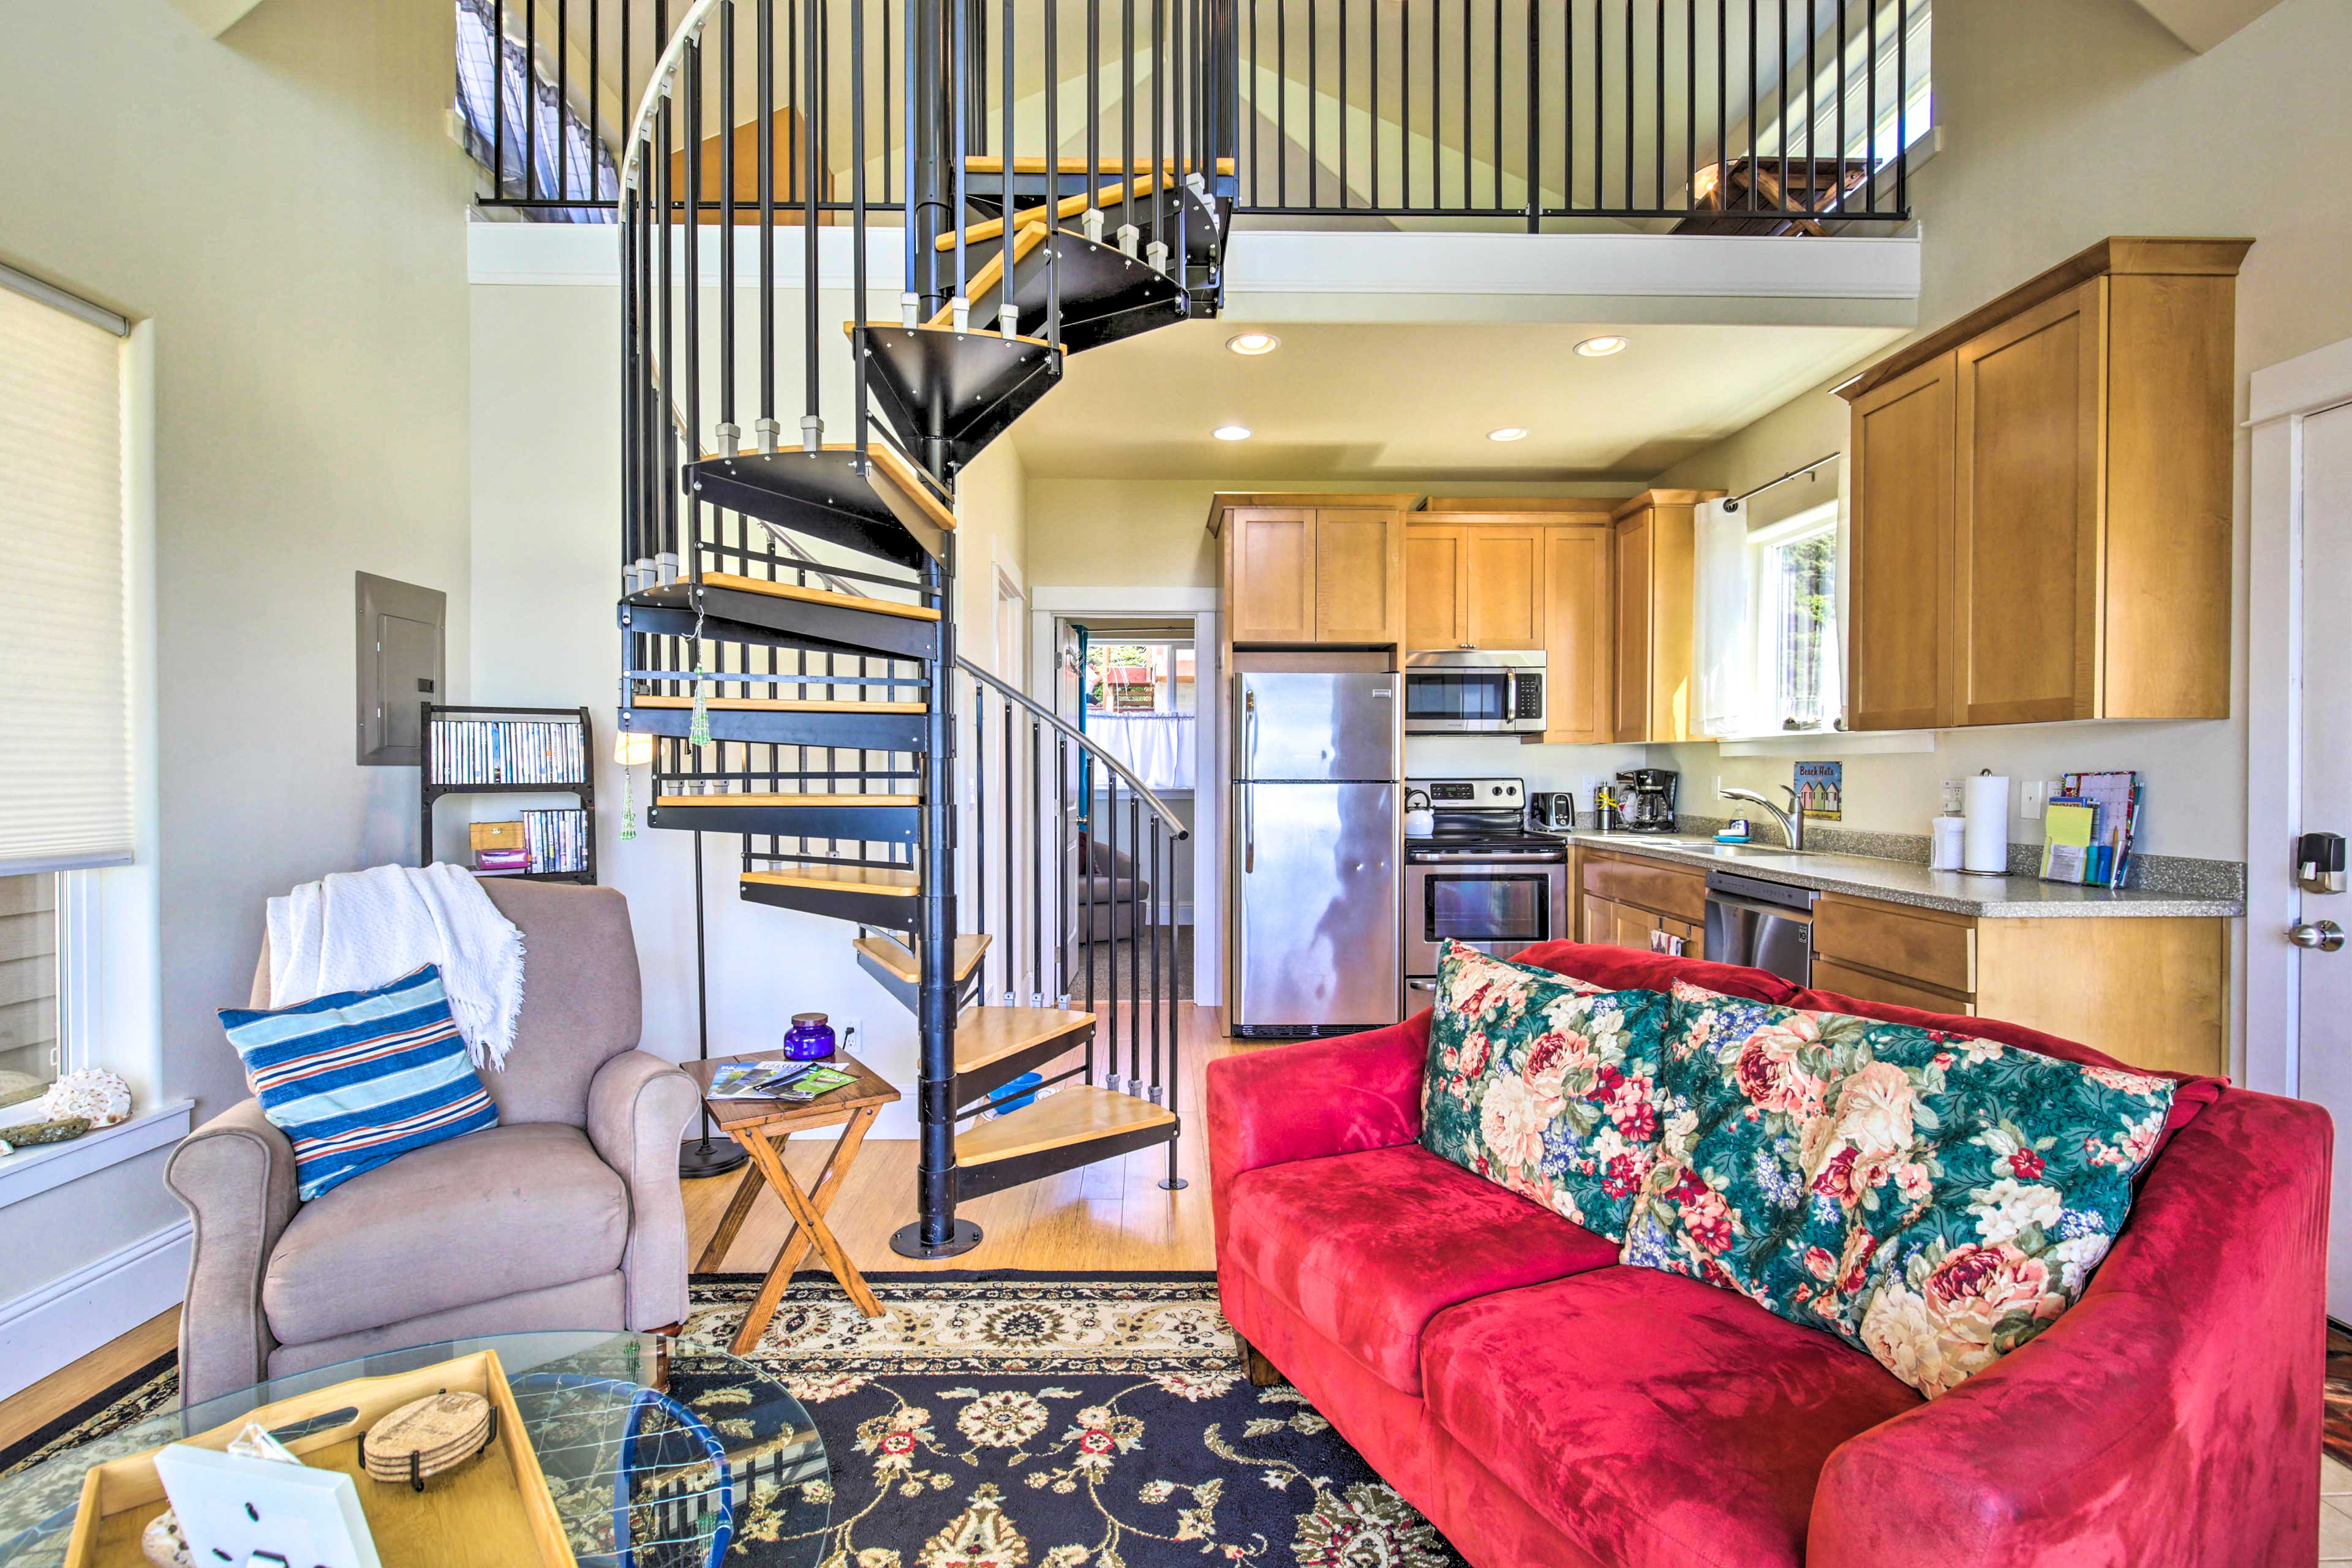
(402, 663)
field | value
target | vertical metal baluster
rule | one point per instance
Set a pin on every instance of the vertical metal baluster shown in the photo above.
(980, 700)
(1158, 873)
(563, 101)
(1754, 156)
(1062, 841)
(862, 432)
(1812, 113)
(1600, 109)
(1534, 117)
(1870, 104)
(1690, 103)
(1083, 892)
(1053, 182)
(1159, 123)
(1902, 107)
(1037, 861)
(1012, 843)
(530, 100)
(812, 129)
(1658, 84)
(1375, 105)
(1841, 106)
(1781, 44)
(1109, 910)
(1126, 115)
(1256, 176)
(1136, 870)
(498, 97)
(1495, 90)
(1631, 109)
(1468, 56)
(1568, 108)
(1005, 181)
(1404, 118)
(1281, 103)
(1343, 104)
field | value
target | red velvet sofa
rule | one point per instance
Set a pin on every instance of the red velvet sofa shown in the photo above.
(1546, 1406)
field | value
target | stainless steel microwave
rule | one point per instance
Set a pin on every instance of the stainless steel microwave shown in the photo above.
(1474, 691)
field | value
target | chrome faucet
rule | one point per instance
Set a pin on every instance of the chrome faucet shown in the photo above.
(1791, 821)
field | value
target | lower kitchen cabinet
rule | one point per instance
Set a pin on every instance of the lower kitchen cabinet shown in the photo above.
(1647, 904)
(2147, 990)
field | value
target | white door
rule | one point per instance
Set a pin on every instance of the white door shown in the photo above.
(2325, 978)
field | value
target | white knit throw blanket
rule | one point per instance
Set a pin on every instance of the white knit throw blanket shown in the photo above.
(355, 931)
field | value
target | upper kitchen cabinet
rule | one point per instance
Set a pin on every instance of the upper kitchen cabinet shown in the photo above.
(1302, 568)
(2041, 518)
(1653, 556)
(1477, 582)
(1578, 620)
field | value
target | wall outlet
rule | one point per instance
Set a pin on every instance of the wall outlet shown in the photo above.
(848, 1034)
(2031, 793)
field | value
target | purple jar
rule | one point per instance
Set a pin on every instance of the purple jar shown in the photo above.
(810, 1039)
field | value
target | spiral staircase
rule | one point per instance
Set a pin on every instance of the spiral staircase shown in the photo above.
(787, 611)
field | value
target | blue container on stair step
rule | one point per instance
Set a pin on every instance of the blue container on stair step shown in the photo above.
(810, 1039)
(1016, 1094)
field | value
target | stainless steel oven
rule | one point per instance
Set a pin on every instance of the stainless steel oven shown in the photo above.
(1474, 691)
(1495, 899)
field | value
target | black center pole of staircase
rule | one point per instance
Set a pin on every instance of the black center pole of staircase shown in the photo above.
(704, 1156)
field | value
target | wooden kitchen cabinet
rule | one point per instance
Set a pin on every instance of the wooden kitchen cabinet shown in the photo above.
(1653, 559)
(2147, 990)
(1577, 635)
(1609, 924)
(1475, 582)
(1311, 569)
(2041, 518)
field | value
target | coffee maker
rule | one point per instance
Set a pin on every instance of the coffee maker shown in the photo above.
(1647, 796)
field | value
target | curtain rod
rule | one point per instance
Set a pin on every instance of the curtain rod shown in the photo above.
(1733, 504)
(57, 299)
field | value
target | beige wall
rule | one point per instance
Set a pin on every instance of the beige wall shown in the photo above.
(288, 209)
(2105, 125)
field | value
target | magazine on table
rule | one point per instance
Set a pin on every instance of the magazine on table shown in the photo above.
(776, 1080)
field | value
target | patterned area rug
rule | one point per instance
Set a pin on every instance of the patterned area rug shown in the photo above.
(1016, 1420)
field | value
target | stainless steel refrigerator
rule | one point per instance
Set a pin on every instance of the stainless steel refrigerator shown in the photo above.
(1317, 797)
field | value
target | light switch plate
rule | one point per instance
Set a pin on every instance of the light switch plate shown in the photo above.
(2031, 793)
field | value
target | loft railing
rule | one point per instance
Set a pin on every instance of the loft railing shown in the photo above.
(1724, 116)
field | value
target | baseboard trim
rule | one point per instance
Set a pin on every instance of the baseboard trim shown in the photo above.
(51, 1325)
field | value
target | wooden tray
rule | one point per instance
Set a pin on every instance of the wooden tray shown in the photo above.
(494, 1512)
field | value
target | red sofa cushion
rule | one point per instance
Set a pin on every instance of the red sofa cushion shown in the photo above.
(2196, 1090)
(1631, 969)
(1368, 1248)
(1654, 1419)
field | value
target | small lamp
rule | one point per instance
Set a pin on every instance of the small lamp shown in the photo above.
(631, 749)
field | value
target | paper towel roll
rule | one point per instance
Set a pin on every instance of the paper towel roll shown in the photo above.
(1951, 835)
(1984, 843)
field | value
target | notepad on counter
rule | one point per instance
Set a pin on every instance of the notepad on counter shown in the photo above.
(2067, 852)
(2088, 830)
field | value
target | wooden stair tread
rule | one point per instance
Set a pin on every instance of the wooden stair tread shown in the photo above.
(817, 595)
(1112, 195)
(776, 704)
(993, 163)
(899, 959)
(938, 326)
(991, 272)
(888, 881)
(667, 801)
(1077, 1114)
(985, 1035)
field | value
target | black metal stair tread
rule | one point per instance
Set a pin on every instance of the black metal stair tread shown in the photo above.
(776, 704)
(1076, 1114)
(891, 509)
(880, 881)
(936, 325)
(899, 959)
(794, 591)
(964, 388)
(987, 1035)
(802, 802)
(1107, 294)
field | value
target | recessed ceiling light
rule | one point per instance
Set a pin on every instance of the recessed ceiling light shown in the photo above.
(1254, 343)
(1232, 432)
(1601, 348)
(1508, 433)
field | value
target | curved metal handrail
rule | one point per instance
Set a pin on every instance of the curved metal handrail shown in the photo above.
(1039, 709)
(657, 86)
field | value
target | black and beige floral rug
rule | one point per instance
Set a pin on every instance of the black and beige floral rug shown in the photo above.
(1016, 1420)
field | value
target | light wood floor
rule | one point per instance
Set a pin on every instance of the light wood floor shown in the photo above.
(1111, 1216)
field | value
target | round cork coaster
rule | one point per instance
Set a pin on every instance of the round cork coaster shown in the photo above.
(436, 1433)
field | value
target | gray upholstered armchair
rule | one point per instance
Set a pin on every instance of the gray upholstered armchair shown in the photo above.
(567, 1215)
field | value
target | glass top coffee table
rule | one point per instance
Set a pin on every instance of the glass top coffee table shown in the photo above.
(658, 1455)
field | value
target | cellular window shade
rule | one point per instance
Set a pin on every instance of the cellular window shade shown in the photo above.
(65, 713)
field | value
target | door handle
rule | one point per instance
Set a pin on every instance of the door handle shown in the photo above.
(1249, 835)
(1249, 732)
(2322, 936)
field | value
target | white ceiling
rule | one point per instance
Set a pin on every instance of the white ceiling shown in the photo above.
(1414, 402)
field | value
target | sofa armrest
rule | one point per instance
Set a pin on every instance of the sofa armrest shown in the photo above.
(2171, 1416)
(236, 1175)
(638, 1105)
(1315, 1099)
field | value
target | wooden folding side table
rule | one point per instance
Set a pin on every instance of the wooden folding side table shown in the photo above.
(762, 1127)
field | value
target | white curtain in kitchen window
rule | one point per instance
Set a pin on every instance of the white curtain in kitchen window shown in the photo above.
(1723, 640)
(65, 713)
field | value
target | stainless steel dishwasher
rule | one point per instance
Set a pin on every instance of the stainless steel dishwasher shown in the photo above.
(1765, 925)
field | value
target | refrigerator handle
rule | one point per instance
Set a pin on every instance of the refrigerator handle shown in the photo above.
(1249, 834)
(1249, 734)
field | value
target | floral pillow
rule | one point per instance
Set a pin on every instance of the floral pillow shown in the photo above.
(1932, 1199)
(1544, 1084)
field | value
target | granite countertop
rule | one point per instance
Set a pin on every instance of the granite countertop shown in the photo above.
(1903, 882)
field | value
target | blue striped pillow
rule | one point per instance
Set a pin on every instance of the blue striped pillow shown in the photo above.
(358, 1077)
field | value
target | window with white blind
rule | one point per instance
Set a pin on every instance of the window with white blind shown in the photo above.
(65, 709)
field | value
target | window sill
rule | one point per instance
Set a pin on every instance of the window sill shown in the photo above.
(37, 1170)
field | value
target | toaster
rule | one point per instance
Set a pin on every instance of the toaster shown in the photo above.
(1555, 809)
